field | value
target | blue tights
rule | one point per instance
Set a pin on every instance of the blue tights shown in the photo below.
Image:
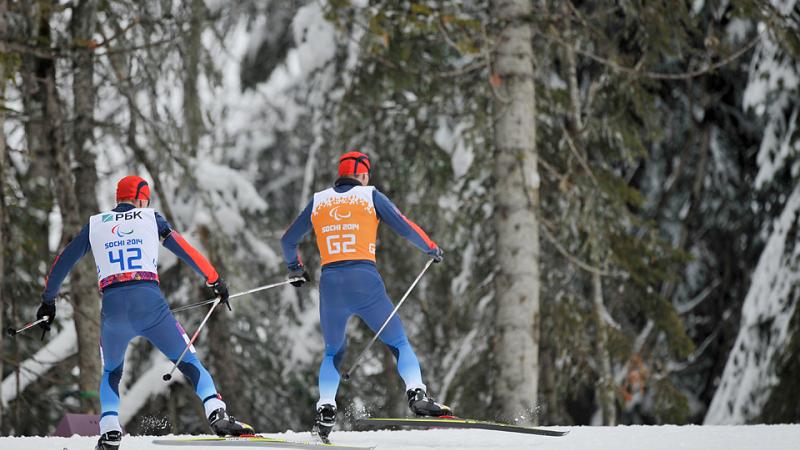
(357, 289)
(139, 309)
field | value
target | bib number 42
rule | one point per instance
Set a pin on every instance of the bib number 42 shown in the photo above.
(127, 258)
(341, 243)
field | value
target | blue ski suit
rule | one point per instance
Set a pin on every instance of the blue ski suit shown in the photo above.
(353, 286)
(132, 306)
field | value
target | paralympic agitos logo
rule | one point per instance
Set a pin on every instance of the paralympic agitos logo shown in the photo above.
(339, 216)
(119, 232)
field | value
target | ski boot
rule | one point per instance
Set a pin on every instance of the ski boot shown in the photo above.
(422, 405)
(326, 418)
(109, 441)
(224, 425)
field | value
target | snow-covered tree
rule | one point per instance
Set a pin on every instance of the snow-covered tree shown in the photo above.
(756, 370)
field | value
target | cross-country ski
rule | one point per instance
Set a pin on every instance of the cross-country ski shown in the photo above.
(455, 422)
(254, 441)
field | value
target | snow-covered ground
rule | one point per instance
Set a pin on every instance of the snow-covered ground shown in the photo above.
(754, 437)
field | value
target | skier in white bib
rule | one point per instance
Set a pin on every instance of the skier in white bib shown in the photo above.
(124, 243)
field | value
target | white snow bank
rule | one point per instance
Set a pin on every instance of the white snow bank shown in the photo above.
(756, 437)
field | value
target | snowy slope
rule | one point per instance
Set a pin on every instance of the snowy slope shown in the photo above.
(668, 437)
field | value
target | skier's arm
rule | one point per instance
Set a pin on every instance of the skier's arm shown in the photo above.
(390, 214)
(64, 263)
(174, 242)
(291, 239)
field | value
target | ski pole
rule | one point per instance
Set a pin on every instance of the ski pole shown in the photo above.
(346, 375)
(260, 288)
(168, 376)
(11, 332)
(215, 302)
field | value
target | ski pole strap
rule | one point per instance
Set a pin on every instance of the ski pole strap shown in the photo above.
(210, 301)
(346, 376)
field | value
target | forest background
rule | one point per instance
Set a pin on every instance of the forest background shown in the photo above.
(614, 184)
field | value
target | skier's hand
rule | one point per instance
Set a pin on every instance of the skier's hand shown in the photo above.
(300, 275)
(49, 310)
(437, 254)
(221, 291)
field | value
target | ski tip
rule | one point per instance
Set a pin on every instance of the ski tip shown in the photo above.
(555, 433)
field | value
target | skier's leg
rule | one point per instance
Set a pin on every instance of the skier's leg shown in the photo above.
(333, 321)
(153, 320)
(161, 328)
(374, 314)
(114, 339)
(334, 311)
(170, 338)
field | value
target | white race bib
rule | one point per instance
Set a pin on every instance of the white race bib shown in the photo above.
(125, 243)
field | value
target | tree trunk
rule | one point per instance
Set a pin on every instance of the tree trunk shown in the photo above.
(82, 26)
(193, 114)
(83, 280)
(34, 72)
(516, 196)
(551, 414)
(17, 359)
(604, 389)
(3, 237)
(221, 360)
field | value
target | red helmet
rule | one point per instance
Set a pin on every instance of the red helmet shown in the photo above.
(354, 163)
(133, 187)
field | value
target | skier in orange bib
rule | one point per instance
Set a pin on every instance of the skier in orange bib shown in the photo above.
(345, 221)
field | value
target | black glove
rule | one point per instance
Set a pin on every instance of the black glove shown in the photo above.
(437, 254)
(221, 291)
(49, 310)
(301, 273)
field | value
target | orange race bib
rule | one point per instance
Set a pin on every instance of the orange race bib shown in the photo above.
(346, 224)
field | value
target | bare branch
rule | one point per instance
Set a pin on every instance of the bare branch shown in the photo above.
(574, 259)
(636, 70)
